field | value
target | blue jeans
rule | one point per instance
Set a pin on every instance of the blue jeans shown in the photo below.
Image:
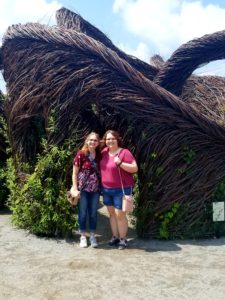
(114, 197)
(88, 206)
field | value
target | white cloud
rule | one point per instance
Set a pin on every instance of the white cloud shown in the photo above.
(23, 11)
(164, 25)
(141, 51)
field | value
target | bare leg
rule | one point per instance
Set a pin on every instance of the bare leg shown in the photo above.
(113, 221)
(122, 223)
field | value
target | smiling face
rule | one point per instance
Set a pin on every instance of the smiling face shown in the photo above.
(111, 141)
(92, 141)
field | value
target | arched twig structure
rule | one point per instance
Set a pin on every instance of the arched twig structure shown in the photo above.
(59, 72)
(187, 58)
(207, 95)
(3, 143)
(71, 20)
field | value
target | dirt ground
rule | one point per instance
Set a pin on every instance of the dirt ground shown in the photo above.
(40, 268)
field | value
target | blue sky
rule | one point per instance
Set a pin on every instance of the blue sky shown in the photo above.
(100, 13)
(139, 27)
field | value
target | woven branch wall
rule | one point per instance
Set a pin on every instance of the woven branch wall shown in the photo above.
(173, 121)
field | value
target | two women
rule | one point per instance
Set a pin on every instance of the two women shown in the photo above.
(117, 165)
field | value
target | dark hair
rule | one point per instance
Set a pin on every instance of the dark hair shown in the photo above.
(115, 134)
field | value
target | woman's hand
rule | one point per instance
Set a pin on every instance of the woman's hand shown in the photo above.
(129, 167)
(117, 160)
(75, 192)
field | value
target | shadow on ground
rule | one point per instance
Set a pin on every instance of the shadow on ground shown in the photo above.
(148, 245)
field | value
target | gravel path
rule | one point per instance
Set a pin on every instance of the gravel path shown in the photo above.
(39, 268)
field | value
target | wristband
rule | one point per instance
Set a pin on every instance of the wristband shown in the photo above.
(119, 163)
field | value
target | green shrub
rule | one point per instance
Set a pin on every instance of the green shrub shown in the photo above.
(166, 219)
(4, 191)
(39, 204)
(4, 144)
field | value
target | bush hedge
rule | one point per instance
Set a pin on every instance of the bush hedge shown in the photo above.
(38, 198)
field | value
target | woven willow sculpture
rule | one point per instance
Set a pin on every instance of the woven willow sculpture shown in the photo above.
(3, 140)
(73, 72)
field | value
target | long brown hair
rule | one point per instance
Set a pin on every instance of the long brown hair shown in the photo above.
(84, 148)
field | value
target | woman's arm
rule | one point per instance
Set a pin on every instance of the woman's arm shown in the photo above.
(74, 176)
(129, 167)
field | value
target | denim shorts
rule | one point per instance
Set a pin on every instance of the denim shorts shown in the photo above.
(113, 197)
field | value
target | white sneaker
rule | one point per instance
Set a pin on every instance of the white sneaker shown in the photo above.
(93, 242)
(83, 241)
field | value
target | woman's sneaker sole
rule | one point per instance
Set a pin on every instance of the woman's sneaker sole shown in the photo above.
(83, 242)
(122, 245)
(93, 242)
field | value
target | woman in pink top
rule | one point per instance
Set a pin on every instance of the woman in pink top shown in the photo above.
(115, 158)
